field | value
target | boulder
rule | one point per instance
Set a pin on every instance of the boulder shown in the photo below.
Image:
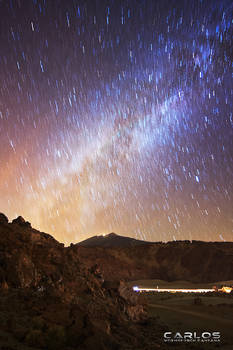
(20, 221)
(3, 219)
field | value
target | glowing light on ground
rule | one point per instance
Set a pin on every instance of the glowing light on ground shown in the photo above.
(183, 290)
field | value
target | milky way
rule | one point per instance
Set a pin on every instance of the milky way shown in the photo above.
(117, 116)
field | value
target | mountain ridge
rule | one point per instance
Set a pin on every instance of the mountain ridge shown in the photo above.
(111, 240)
(130, 259)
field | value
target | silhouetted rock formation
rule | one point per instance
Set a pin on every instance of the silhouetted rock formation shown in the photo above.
(111, 240)
(3, 219)
(51, 300)
(20, 221)
(123, 258)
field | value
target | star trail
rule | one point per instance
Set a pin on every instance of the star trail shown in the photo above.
(117, 116)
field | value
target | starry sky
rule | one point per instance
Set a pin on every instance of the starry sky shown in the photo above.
(117, 116)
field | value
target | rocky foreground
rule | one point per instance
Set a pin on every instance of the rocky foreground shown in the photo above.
(49, 299)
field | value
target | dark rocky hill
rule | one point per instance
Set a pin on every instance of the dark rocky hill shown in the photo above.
(49, 299)
(130, 259)
(111, 240)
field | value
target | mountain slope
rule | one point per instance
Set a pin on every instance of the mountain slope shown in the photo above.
(51, 300)
(111, 240)
(182, 260)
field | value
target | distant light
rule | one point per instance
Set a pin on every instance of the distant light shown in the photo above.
(175, 290)
(136, 289)
(226, 289)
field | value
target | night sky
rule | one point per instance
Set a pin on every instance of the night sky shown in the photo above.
(117, 116)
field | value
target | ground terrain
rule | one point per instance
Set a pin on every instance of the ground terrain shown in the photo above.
(80, 298)
(181, 312)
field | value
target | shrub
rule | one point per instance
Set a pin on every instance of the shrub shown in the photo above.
(35, 338)
(38, 323)
(197, 301)
(55, 337)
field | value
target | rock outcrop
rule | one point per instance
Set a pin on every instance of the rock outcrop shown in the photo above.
(51, 300)
(20, 221)
(3, 219)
